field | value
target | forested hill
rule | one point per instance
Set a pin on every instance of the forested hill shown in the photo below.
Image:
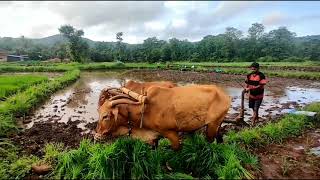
(307, 38)
(46, 41)
(276, 45)
(59, 39)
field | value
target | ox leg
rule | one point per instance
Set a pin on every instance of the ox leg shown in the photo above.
(213, 132)
(173, 138)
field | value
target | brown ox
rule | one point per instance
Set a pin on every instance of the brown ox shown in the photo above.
(141, 88)
(138, 133)
(168, 111)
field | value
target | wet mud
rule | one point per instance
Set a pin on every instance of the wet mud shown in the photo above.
(33, 140)
(293, 159)
(71, 114)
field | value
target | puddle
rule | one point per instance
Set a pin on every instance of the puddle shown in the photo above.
(315, 151)
(78, 102)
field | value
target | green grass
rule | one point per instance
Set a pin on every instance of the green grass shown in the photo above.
(285, 74)
(10, 84)
(289, 126)
(231, 68)
(129, 158)
(23, 102)
(246, 64)
(314, 107)
(13, 166)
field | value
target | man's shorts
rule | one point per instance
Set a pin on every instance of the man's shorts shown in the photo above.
(254, 103)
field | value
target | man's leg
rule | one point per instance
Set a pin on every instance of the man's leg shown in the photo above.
(251, 106)
(256, 107)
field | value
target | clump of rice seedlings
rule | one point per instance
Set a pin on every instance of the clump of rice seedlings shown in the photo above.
(7, 125)
(52, 151)
(176, 176)
(128, 158)
(13, 83)
(12, 165)
(314, 107)
(197, 155)
(22, 166)
(289, 126)
(21, 103)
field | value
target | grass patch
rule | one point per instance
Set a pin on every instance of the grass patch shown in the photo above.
(10, 84)
(23, 102)
(230, 68)
(13, 166)
(246, 64)
(132, 159)
(289, 126)
(314, 107)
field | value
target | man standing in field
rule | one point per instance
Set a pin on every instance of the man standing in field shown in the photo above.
(255, 86)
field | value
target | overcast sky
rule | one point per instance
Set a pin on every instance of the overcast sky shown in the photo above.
(140, 20)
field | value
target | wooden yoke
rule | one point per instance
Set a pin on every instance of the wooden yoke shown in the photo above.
(139, 97)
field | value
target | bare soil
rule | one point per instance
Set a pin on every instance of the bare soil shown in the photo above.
(33, 140)
(291, 159)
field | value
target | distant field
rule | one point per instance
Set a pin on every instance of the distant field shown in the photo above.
(10, 84)
(246, 64)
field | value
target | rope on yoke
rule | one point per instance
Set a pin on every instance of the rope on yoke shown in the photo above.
(142, 113)
(139, 97)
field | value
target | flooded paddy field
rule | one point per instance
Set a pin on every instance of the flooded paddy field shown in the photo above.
(71, 114)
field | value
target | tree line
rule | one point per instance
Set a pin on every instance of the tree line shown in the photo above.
(279, 44)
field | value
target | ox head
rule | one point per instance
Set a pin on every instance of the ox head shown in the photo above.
(108, 109)
(108, 116)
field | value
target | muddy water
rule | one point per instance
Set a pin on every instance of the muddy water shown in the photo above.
(78, 102)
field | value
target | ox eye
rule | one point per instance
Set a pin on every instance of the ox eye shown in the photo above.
(106, 117)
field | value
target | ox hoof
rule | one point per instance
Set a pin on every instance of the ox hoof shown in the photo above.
(41, 169)
(97, 137)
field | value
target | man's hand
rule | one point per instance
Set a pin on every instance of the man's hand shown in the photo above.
(247, 89)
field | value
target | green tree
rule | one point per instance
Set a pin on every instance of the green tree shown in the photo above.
(78, 49)
(120, 47)
(279, 43)
(252, 45)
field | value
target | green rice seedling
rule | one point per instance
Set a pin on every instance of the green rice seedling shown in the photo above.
(289, 126)
(52, 151)
(174, 176)
(21, 167)
(197, 155)
(233, 168)
(10, 84)
(7, 125)
(99, 164)
(7, 149)
(314, 107)
(23, 102)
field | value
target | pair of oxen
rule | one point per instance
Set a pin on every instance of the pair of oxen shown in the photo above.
(153, 109)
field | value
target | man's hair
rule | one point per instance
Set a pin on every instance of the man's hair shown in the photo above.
(255, 65)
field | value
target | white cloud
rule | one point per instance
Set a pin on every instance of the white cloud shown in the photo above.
(155, 26)
(274, 18)
(179, 23)
(138, 19)
(19, 19)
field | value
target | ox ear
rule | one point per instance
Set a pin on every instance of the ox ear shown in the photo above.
(115, 112)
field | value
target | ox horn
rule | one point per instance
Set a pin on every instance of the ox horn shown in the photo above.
(109, 88)
(136, 96)
(120, 96)
(123, 101)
